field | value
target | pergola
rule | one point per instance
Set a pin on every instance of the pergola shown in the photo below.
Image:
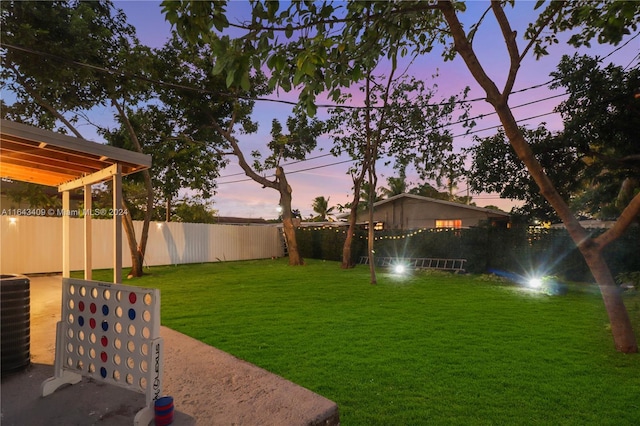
(30, 154)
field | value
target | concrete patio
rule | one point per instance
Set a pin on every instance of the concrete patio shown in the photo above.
(209, 387)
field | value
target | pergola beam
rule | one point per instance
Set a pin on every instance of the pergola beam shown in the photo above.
(97, 177)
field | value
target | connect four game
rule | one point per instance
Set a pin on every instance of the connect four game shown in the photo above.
(110, 333)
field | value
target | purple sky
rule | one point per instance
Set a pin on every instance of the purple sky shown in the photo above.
(246, 198)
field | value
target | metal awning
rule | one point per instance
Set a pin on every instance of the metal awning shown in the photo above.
(30, 154)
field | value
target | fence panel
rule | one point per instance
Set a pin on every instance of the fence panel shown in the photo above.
(32, 244)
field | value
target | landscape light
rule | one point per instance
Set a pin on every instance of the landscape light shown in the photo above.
(399, 269)
(535, 282)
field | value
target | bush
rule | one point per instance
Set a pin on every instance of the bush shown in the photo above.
(516, 250)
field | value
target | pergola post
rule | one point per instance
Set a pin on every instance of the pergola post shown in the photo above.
(88, 242)
(66, 234)
(117, 225)
(113, 173)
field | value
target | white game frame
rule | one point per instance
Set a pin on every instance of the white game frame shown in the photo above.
(110, 333)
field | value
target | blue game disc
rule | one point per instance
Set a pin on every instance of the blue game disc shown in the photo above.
(132, 314)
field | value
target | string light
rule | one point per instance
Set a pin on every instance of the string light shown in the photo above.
(343, 229)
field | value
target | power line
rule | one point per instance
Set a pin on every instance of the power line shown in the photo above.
(283, 165)
(219, 93)
(223, 93)
(293, 171)
(352, 160)
(193, 88)
(500, 125)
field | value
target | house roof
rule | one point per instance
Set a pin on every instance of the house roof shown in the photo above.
(489, 212)
(35, 155)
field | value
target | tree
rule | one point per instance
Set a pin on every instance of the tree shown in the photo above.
(397, 185)
(321, 207)
(590, 162)
(46, 86)
(601, 117)
(321, 50)
(36, 196)
(178, 162)
(495, 167)
(300, 140)
(558, 16)
(195, 210)
(208, 114)
(405, 129)
(426, 190)
(55, 88)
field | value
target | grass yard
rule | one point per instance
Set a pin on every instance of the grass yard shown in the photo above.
(428, 349)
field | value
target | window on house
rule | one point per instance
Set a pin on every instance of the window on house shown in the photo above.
(378, 226)
(449, 223)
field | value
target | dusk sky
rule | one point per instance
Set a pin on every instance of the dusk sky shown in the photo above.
(239, 196)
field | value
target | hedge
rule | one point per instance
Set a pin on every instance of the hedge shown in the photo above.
(516, 250)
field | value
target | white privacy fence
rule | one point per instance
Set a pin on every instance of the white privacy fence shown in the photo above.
(32, 244)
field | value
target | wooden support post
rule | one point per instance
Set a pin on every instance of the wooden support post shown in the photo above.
(117, 225)
(88, 245)
(66, 235)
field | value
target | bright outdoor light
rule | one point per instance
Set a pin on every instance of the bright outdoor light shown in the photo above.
(399, 269)
(535, 283)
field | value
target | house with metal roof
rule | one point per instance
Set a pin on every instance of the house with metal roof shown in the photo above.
(408, 211)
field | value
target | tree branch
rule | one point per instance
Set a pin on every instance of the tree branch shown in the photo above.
(513, 133)
(241, 158)
(628, 216)
(555, 8)
(464, 48)
(420, 7)
(509, 37)
(43, 103)
(146, 176)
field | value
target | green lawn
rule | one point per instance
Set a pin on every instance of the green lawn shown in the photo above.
(430, 349)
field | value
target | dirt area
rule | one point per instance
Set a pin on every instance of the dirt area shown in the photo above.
(209, 387)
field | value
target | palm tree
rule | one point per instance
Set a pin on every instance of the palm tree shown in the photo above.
(321, 206)
(397, 186)
(364, 196)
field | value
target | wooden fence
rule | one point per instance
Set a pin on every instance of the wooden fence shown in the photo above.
(32, 244)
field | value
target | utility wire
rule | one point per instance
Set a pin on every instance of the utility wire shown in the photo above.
(173, 85)
(220, 93)
(353, 159)
(191, 88)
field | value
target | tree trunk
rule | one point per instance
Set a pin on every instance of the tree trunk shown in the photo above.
(144, 236)
(371, 252)
(624, 338)
(347, 260)
(280, 184)
(137, 250)
(287, 218)
(373, 182)
(136, 261)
